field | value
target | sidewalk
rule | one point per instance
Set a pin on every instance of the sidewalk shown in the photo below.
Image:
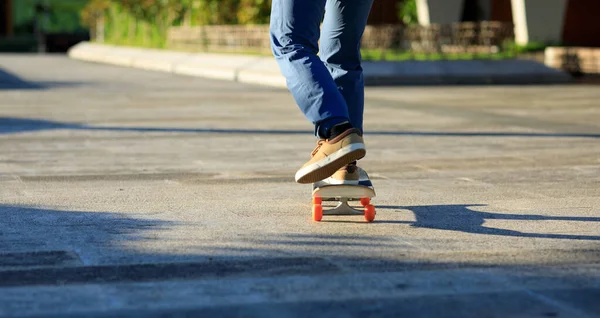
(264, 70)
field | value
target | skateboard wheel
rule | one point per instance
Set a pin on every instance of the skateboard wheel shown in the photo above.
(317, 200)
(365, 201)
(317, 212)
(369, 213)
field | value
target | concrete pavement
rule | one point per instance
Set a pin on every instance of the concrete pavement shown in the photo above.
(133, 193)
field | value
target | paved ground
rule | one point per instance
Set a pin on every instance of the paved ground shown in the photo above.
(132, 193)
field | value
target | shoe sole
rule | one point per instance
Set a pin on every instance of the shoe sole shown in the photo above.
(327, 166)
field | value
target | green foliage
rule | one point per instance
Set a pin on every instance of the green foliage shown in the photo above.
(93, 10)
(191, 12)
(61, 16)
(408, 12)
(527, 48)
(146, 22)
(254, 11)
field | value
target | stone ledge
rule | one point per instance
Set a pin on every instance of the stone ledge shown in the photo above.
(584, 60)
(264, 70)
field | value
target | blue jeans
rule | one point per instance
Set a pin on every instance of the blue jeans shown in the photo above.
(328, 86)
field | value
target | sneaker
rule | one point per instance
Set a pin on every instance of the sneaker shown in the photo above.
(350, 175)
(331, 155)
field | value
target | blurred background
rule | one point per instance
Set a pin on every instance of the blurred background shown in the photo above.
(398, 29)
(41, 26)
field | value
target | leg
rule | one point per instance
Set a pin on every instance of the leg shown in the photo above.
(343, 27)
(295, 34)
(294, 38)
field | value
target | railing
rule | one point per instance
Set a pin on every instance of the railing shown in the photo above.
(480, 40)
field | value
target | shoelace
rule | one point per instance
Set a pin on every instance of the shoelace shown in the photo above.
(320, 143)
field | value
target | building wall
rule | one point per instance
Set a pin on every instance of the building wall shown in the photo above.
(582, 24)
(476, 10)
(502, 11)
(440, 11)
(384, 12)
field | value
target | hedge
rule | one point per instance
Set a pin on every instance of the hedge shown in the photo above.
(145, 22)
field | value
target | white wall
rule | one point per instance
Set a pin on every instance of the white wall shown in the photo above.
(439, 11)
(538, 20)
(535, 20)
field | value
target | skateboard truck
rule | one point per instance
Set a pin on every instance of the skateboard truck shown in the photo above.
(342, 208)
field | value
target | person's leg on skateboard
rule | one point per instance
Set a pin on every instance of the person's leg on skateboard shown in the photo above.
(328, 89)
(341, 34)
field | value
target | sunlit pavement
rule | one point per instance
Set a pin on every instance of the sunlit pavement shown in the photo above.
(132, 193)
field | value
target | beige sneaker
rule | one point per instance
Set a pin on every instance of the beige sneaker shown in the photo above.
(331, 155)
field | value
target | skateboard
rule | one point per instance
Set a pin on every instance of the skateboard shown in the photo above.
(343, 195)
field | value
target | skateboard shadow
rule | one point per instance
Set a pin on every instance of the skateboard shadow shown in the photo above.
(13, 125)
(461, 218)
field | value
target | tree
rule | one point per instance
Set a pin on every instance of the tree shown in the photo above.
(408, 12)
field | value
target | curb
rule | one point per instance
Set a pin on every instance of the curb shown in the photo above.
(265, 71)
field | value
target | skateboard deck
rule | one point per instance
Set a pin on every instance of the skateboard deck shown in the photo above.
(338, 200)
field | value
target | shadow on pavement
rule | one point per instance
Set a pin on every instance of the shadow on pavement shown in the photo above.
(42, 246)
(9, 81)
(11, 125)
(510, 303)
(54, 238)
(461, 218)
(90, 234)
(30, 235)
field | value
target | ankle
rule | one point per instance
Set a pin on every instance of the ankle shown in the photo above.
(338, 130)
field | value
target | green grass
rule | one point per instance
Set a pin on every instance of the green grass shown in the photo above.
(397, 56)
(532, 47)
